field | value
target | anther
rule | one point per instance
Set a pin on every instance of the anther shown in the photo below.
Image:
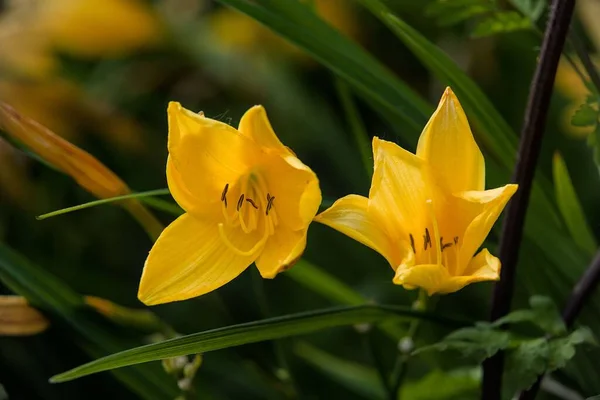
(427, 239)
(224, 194)
(240, 202)
(252, 202)
(455, 239)
(444, 245)
(412, 243)
(270, 200)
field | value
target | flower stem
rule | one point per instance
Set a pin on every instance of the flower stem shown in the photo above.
(368, 337)
(529, 149)
(401, 365)
(284, 374)
(581, 292)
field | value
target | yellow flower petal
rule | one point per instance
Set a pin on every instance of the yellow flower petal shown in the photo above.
(436, 279)
(296, 190)
(204, 155)
(255, 124)
(485, 208)
(400, 189)
(282, 250)
(483, 267)
(431, 277)
(349, 216)
(190, 259)
(448, 146)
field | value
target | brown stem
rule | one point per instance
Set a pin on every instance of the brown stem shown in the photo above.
(529, 148)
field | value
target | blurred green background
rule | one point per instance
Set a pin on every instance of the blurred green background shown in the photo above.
(100, 74)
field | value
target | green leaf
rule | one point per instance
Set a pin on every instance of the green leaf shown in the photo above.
(532, 9)
(501, 22)
(536, 357)
(251, 332)
(543, 313)
(356, 377)
(585, 115)
(476, 343)
(492, 130)
(316, 279)
(156, 192)
(452, 12)
(296, 22)
(49, 294)
(570, 207)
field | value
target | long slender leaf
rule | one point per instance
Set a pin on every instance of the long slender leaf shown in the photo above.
(251, 332)
(342, 56)
(47, 292)
(570, 208)
(493, 130)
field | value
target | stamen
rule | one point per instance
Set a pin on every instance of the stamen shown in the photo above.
(252, 202)
(412, 243)
(436, 232)
(254, 248)
(240, 202)
(444, 245)
(270, 200)
(427, 239)
(224, 194)
(455, 239)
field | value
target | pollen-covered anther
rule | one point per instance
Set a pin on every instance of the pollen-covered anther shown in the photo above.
(224, 194)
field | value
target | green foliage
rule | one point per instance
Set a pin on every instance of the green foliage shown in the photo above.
(236, 335)
(50, 294)
(364, 381)
(532, 9)
(585, 115)
(488, 17)
(536, 357)
(542, 312)
(528, 357)
(570, 207)
(501, 22)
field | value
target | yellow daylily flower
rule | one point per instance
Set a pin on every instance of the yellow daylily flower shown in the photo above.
(247, 199)
(428, 213)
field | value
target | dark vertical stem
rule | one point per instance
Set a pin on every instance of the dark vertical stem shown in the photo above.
(581, 292)
(529, 148)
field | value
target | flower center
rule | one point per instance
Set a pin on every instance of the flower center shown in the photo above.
(436, 249)
(253, 210)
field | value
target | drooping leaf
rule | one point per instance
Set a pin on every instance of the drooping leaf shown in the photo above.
(542, 312)
(501, 22)
(570, 207)
(251, 332)
(296, 22)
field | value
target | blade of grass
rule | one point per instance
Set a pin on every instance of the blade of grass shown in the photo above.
(156, 192)
(251, 332)
(345, 58)
(570, 207)
(359, 132)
